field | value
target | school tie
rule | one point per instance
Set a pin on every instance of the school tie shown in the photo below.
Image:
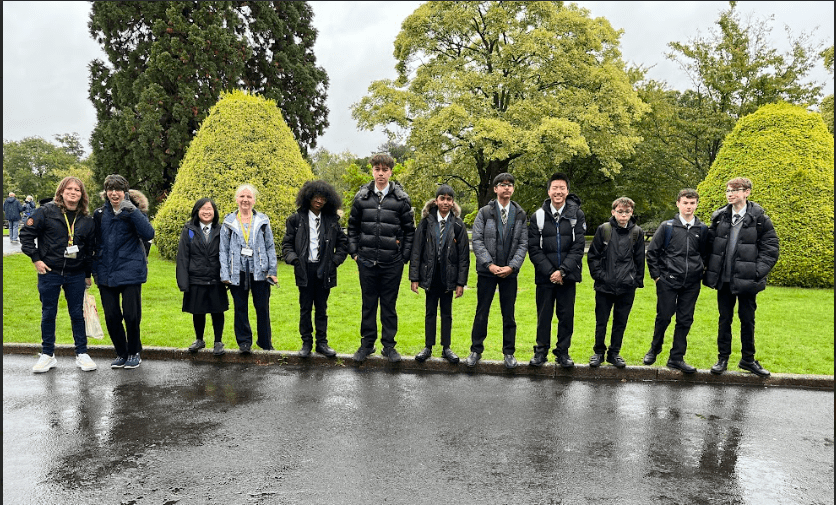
(318, 252)
(735, 219)
(441, 233)
(504, 214)
(380, 197)
(556, 217)
(206, 234)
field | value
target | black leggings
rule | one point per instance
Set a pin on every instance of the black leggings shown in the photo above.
(199, 321)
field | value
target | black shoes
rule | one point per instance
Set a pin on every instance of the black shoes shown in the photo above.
(649, 358)
(392, 354)
(720, 366)
(425, 353)
(197, 345)
(363, 353)
(473, 359)
(754, 367)
(595, 360)
(510, 361)
(305, 351)
(449, 355)
(324, 349)
(565, 361)
(245, 348)
(219, 349)
(539, 359)
(681, 365)
(616, 360)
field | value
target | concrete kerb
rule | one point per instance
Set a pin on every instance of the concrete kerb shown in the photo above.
(439, 365)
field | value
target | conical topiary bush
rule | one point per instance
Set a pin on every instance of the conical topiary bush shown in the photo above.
(787, 152)
(244, 139)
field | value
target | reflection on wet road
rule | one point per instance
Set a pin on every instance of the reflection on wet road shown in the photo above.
(193, 433)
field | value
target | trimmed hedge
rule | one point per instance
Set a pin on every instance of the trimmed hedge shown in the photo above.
(244, 139)
(787, 152)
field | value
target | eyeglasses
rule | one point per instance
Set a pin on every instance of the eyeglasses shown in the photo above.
(624, 212)
(734, 190)
(505, 185)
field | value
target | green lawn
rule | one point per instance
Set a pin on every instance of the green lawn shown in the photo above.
(794, 326)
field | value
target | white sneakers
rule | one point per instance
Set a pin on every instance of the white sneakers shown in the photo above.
(46, 363)
(85, 363)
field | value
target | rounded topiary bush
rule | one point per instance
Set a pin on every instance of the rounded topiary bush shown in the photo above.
(787, 152)
(244, 139)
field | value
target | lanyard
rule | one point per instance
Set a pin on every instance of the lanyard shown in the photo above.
(245, 231)
(70, 228)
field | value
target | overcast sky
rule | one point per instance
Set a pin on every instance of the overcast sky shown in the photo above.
(47, 48)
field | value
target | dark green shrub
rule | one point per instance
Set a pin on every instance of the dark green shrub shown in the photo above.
(787, 152)
(244, 139)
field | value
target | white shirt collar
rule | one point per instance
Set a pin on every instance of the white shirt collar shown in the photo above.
(687, 223)
(557, 210)
(506, 207)
(385, 190)
(440, 217)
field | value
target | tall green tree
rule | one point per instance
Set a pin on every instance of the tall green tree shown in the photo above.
(168, 63)
(735, 70)
(34, 166)
(826, 107)
(491, 87)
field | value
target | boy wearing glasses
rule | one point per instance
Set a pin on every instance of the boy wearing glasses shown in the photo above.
(744, 248)
(555, 247)
(499, 244)
(616, 263)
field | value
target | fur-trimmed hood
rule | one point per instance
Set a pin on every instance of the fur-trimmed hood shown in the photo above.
(136, 197)
(432, 205)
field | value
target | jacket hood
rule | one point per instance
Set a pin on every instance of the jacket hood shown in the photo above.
(432, 205)
(752, 208)
(395, 188)
(136, 196)
(10, 199)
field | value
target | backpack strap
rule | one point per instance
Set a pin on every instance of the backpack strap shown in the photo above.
(634, 235)
(607, 234)
(540, 216)
(668, 232)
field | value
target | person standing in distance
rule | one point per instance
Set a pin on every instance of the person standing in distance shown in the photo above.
(314, 243)
(499, 244)
(744, 248)
(555, 247)
(12, 209)
(381, 228)
(676, 262)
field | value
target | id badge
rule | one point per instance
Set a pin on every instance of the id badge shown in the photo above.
(246, 251)
(71, 252)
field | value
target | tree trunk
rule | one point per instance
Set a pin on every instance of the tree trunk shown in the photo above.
(487, 171)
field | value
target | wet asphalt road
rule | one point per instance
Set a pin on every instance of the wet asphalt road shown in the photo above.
(179, 432)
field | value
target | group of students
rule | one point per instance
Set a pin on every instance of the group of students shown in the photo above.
(733, 255)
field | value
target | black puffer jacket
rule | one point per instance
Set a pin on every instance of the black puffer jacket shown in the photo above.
(545, 255)
(198, 262)
(756, 252)
(455, 249)
(617, 267)
(381, 233)
(47, 224)
(683, 261)
(333, 246)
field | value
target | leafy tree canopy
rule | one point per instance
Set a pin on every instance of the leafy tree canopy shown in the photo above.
(490, 87)
(168, 63)
(787, 153)
(243, 140)
(34, 166)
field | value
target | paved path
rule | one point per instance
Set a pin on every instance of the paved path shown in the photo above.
(193, 432)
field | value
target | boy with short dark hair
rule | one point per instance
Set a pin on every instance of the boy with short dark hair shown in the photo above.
(440, 263)
(616, 264)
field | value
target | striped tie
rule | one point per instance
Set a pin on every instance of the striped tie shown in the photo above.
(735, 219)
(206, 234)
(441, 233)
(318, 252)
(379, 196)
(504, 214)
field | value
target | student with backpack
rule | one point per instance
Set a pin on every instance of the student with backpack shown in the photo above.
(616, 263)
(676, 260)
(198, 272)
(440, 263)
(555, 247)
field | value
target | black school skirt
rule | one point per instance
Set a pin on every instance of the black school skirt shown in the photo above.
(206, 299)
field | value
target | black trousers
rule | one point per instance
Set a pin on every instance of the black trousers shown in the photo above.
(313, 296)
(557, 299)
(486, 286)
(261, 302)
(438, 297)
(620, 306)
(126, 340)
(746, 313)
(380, 286)
(670, 300)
